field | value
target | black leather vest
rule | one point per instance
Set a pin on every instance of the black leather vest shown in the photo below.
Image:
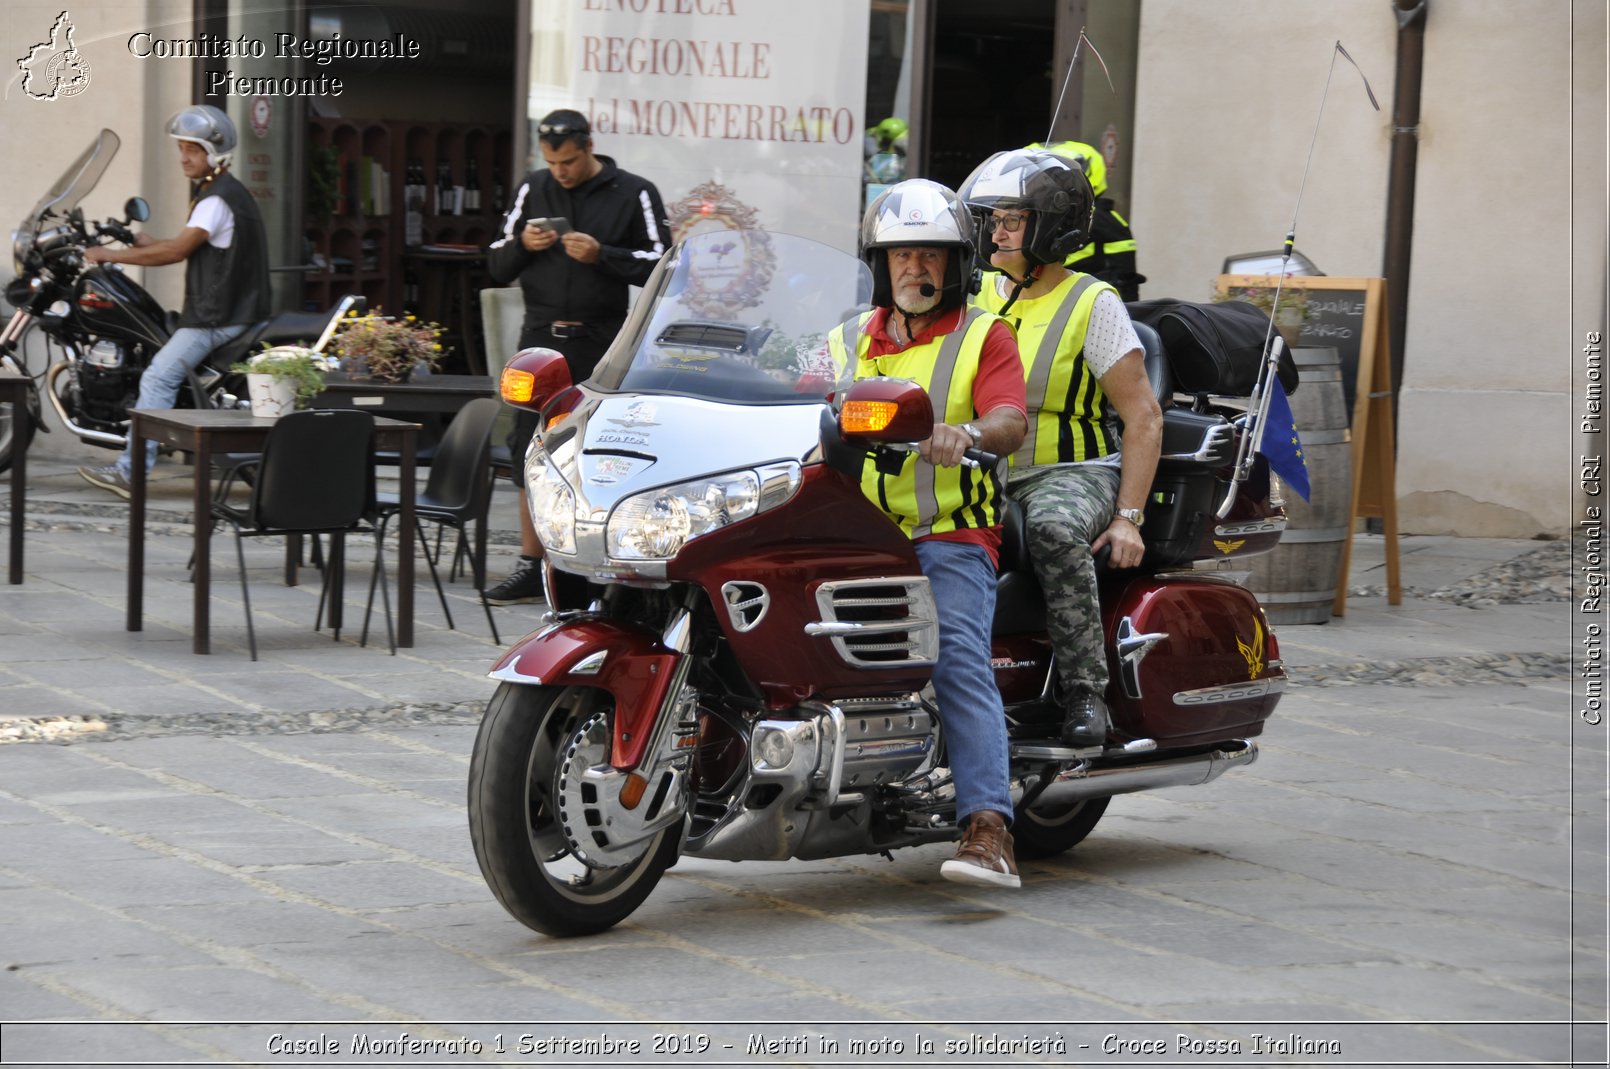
(223, 287)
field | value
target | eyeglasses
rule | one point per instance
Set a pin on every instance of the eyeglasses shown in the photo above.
(561, 129)
(1009, 223)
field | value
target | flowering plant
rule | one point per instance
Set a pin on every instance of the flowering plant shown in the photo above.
(387, 348)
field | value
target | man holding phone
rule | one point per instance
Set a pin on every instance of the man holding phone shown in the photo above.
(579, 232)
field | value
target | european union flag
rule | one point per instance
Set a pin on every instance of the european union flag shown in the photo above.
(1281, 446)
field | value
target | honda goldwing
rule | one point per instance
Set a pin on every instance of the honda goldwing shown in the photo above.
(735, 662)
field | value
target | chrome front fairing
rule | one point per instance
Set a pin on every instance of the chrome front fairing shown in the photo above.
(616, 446)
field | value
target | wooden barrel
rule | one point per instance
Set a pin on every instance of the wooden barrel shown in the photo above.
(1296, 581)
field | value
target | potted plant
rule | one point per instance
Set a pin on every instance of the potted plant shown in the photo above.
(282, 377)
(1289, 317)
(386, 348)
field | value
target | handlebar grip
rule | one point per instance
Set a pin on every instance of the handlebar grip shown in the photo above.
(977, 458)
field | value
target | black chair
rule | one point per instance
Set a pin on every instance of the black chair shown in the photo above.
(457, 493)
(315, 476)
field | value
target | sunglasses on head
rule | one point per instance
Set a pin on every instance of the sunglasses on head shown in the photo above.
(561, 129)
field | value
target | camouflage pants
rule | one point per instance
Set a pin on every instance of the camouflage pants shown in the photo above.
(1064, 510)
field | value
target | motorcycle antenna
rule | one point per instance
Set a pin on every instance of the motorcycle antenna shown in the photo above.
(1073, 61)
(1273, 344)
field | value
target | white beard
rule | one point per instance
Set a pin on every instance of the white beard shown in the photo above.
(917, 304)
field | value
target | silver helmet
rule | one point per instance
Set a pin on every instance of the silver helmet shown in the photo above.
(208, 127)
(918, 212)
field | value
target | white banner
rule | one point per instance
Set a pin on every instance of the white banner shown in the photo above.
(745, 113)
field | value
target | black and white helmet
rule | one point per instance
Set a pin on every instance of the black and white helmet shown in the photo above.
(1052, 189)
(208, 127)
(918, 212)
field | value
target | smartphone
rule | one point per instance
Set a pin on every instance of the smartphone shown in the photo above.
(557, 225)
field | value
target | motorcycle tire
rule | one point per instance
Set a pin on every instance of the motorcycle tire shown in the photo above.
(1047, 832)
(519, 844)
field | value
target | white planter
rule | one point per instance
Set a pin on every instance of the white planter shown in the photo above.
(271, 395)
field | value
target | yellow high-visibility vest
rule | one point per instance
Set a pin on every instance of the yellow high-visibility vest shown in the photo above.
(1069, 417)
(922, 498)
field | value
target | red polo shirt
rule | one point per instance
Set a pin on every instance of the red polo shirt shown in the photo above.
(999, 384)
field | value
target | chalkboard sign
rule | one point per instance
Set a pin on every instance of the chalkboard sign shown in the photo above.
(1337, 310)
(1349, 315)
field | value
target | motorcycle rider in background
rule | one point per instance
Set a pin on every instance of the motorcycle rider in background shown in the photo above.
(225, 252)
(1082, 360)
(918, 240)
(1109, 250)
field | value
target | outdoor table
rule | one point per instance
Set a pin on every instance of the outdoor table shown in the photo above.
(15, 388)
(204, 432)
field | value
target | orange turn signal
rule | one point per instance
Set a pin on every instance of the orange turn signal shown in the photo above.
(516, 386)
(632, 790)
(867, 417)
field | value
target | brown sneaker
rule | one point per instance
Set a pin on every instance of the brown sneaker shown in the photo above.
(985, 856)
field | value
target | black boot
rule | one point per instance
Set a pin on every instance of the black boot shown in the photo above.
(1086, 722)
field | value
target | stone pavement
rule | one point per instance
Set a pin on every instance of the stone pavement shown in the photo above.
(1413, 872)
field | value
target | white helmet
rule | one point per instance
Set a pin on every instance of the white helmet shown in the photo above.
(208, 127)
(918, 212)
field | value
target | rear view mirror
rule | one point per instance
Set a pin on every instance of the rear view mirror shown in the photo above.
(136, 210)
(533, 377)
(886, 410)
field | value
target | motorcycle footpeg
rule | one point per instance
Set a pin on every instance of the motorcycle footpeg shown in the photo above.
(1052, 750)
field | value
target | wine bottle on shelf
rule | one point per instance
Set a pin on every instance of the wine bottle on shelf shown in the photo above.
(498, 204)
(414, 217)
(444, 188)
(472, 188)
(410, 290)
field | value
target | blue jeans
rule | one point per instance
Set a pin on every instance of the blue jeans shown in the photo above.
(159, 386)
(970, 710)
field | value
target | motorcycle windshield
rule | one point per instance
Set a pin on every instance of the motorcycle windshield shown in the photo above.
(73, 186)
(739, 316)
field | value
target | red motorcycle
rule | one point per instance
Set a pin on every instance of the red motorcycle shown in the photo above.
(735, 659)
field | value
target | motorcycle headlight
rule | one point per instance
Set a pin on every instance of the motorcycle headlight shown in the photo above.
(553, 503)
(656, 524)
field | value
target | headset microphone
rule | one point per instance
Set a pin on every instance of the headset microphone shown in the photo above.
(927, 289)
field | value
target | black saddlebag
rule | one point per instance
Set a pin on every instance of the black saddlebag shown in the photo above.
(1213, 348)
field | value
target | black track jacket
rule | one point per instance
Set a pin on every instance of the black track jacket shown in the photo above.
(618, 208)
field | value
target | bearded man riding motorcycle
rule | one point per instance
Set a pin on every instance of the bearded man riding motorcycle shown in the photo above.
(1083, 363)
(918, 240)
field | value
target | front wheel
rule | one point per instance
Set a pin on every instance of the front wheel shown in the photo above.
(1045, 832)
(530, 740)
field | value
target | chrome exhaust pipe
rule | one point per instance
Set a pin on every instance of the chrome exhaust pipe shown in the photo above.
(1078, 784)
(102, 437)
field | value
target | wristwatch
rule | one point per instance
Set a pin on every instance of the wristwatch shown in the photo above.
(1134, 516)
(974, 433)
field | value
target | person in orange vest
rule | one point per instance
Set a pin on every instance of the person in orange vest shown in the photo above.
(1110, 252)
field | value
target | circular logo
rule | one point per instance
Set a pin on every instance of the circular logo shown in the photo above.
(67, 74)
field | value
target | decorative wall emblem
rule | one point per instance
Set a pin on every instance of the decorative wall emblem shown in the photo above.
(54, 69)
(725, 277)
